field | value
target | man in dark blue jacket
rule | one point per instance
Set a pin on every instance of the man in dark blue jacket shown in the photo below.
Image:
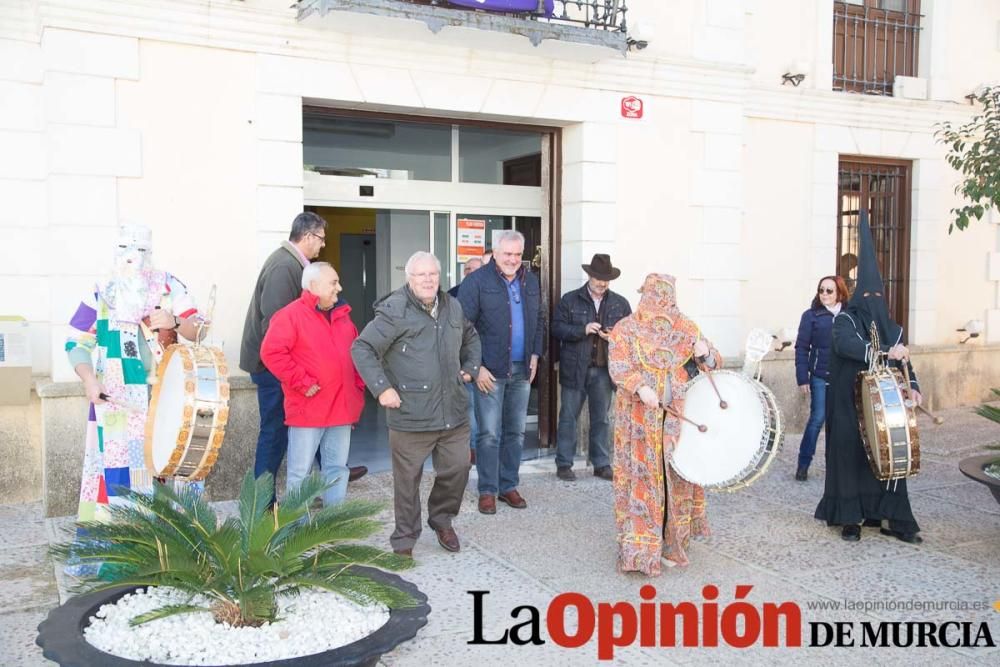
(504, 302)
(471, 265)
(582, 322)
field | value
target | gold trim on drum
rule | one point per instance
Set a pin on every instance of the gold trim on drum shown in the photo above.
(881, 422)
(202, 430)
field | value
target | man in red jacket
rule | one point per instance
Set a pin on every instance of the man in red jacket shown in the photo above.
(308, 348)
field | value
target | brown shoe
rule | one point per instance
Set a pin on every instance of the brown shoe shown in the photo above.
(357, 473)
(448, 538)
(487, 505)
(514, 499)
(565, 473)
(604, 472)
(406, 553)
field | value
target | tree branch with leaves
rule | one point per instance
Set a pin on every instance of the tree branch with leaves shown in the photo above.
(974, 152)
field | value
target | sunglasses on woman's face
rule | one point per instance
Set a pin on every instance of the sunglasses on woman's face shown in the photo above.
(827, 290)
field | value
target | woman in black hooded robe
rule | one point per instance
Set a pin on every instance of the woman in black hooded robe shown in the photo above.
(853, 496)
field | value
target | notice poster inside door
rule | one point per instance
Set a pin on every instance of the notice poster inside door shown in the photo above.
(471, 239)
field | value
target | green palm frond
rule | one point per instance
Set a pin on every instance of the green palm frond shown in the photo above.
(359, 589)
(259, 603)
(308, 537)
(173, 538)
(192, 503)
(164, 612)
(255, 495)
(357, 554)
(991, 412)
(348, 510)
(296, 502)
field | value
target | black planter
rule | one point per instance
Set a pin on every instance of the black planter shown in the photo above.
(61, 634)
(973, 469)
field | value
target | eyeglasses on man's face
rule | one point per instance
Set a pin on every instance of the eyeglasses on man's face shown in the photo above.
(321, 238)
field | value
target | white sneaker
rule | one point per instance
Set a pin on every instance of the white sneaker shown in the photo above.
(666, 561)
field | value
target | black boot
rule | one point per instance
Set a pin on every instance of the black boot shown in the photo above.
(909, 538)
(851, 533)
(802, 474)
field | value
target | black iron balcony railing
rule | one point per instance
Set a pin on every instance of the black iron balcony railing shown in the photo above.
(874, 42)
(597, 14)
(597, 22)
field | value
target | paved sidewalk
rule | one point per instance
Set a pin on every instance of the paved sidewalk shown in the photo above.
(763, 536)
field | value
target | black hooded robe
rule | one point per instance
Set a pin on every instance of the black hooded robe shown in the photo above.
(852, 493)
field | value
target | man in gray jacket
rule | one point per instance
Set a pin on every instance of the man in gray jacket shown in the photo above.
(279, 284)
(416, 357)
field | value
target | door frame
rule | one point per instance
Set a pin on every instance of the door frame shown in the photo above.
(549, 210)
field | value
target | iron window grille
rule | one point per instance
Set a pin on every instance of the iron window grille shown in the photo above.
(881, 187)
(874, 41)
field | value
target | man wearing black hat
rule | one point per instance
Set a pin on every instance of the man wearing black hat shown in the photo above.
(853, 497)
(582, 322)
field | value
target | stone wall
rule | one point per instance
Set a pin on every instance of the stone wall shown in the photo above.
(63, 419)
(21, 452)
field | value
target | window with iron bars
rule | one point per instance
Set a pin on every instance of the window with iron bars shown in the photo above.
(881, 187)
(874, 41)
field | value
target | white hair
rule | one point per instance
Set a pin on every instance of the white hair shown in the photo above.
(471, 260)
(420, 256)
(312, 272)
(508, 235)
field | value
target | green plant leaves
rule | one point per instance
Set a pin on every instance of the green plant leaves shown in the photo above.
(974, 152)
(164, 612)
(174, 538)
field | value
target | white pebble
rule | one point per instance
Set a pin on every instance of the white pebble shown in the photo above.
(313, 622)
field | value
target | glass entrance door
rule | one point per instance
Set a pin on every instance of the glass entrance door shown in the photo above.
(530, 227)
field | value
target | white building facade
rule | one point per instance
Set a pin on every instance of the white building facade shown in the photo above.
(187, 115)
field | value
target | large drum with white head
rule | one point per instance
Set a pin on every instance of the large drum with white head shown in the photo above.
(188, 413)
(740, 440)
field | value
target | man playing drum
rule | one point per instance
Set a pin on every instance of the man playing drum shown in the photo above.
(648, 353)
(119, 332)
(853, 496)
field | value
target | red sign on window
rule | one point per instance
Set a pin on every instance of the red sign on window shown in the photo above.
(631, 107)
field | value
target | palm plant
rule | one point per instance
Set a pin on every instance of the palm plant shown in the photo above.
(243, 564)
(992, 413)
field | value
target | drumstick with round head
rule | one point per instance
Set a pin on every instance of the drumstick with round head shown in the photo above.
(906, 376)
(670, 411)
(937, 420)
(707, 372)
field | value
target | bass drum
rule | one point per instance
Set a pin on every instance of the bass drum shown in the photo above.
(188, 412)
(888, 425)
(740, 442)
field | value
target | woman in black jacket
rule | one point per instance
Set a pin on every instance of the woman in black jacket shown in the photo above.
(812, 355)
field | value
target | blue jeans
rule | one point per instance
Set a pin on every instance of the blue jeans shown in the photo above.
(597, 390)
(272, 441)
(501, 415)
(471, 387)
(334, 442)
(817, 414)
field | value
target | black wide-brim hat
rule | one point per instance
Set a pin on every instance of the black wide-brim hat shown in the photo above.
(600, 268)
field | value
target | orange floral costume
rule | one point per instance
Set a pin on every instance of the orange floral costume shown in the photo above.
(656, 511)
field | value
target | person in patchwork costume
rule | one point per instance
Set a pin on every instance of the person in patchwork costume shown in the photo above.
(118, 336)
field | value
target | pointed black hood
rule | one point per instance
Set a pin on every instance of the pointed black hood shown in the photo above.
(868, 302)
